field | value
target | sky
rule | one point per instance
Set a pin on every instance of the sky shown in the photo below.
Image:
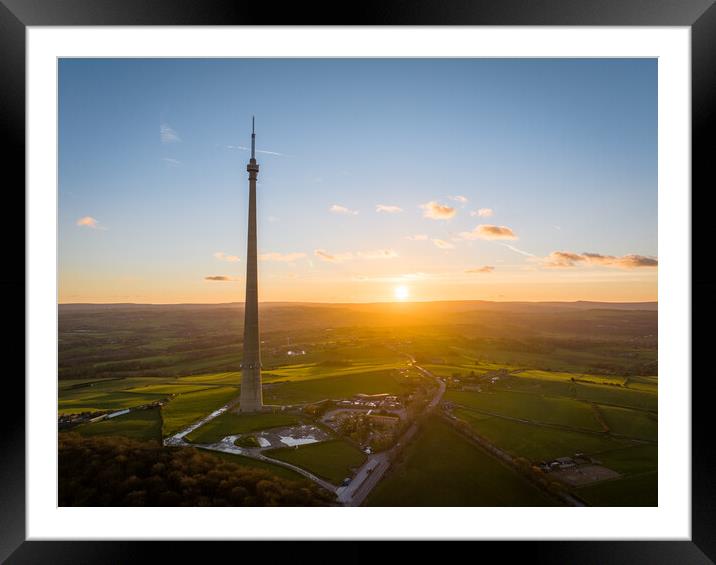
(380, 180)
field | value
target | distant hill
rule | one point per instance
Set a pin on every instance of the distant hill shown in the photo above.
(447, 305)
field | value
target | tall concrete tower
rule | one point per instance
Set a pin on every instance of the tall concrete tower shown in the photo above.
(251, 397)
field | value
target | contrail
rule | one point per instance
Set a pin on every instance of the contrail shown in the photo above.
(513, 248)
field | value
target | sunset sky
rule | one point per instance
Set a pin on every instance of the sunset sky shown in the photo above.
(381, 179)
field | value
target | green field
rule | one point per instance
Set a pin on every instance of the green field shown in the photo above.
(628, 398)
(189, 408)
(138, 424)
(168, 388)
(313, 390)
(311, 371)
(230, 423)
(638, 490)
(277, 470)
(91, 400)
(536, 443)
(441, 468)
(551, 410)
(330, 460)
(631, 423)
(227, 378)
(631, 461)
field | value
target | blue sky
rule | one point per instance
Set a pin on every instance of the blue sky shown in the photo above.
(562, 152)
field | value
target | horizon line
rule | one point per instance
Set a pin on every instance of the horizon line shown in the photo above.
(362, 302)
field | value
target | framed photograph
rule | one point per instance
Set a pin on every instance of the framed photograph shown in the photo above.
(424, 278)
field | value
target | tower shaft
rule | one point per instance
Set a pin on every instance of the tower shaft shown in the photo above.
(251, 399)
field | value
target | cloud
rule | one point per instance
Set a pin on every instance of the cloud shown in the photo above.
(218, 278)
(443, 244)
(633, 261)
(167, 134)
(487, 231)
(483, 212)
(459, 198)
(436, 211)
(417, 237)
(565, 259)
(338, 209)
(485, 269)
(332, 257)
(243, 148)
(170, 161)
(388, 209)
(221, 256)
(378, 254)
(348, 256)
(282, 257)
(520, 251)
(89, 222)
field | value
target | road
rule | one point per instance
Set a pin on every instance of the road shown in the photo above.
(376, 465)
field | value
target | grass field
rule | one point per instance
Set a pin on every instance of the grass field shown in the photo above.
(138, 424)
(637, 490)
(188, 408)
(330, 460)
(440, 468)
(313, 390)
(631, 423)
(91, 400)
(311, 371)
(230, 423)
(536, 443)
(628, 398)
(168, 388)
(631, 461)
(277, 470)
(551, 410)
(227, 378)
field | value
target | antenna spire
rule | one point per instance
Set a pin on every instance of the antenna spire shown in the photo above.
(253, 137)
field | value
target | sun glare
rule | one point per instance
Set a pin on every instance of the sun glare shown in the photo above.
(401, 292)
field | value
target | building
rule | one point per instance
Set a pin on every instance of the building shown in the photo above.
(251, 399)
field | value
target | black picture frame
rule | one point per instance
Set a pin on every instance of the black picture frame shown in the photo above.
(699, 15)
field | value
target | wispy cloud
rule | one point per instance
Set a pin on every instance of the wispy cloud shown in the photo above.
(89, 222)
(485, 269)
(566, 259)
(520, 251)
(332, 257)
(170, 161)
(348, 256)
(459, 198)
(417, 237)
(443, 244)
(168, 134)
(437, 211)
(218, 278)
(378, 254)
(265, 152)
(490, 232)
(338, 209)
(282, 257)
(388, 209)
(221, 256)
(483, 212)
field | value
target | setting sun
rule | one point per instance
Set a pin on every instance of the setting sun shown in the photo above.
(401, 292)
